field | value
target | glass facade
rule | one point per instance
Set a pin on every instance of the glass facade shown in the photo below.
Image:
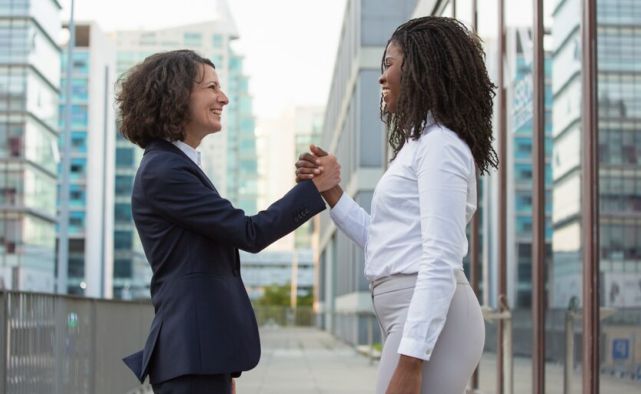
(520, 132)
(618, 82)
(78, 166)
(242, 172)
(29, 88)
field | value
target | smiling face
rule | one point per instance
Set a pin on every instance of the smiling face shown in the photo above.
(206, 104)
(390, 80)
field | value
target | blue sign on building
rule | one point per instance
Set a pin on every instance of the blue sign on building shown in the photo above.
(620, 349)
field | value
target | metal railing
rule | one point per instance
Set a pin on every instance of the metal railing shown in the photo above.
(63, 344)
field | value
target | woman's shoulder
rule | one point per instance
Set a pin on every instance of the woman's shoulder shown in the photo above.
(162, 163)
(438, 137)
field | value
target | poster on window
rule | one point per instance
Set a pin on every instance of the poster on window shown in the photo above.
(622, 289)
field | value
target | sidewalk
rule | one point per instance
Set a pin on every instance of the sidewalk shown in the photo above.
(306, 360)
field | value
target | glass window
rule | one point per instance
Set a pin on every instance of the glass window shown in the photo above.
(79, 116)
(76, 222)
(39, 190)
(122, 213)
(123, 268)
(41, 146)
(124, 157)
(78, 167)
(193, 39)
(124, 184)
(79, 141)
(122, 240)
(217, 41)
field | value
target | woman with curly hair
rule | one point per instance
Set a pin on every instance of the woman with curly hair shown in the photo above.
(437, 105)
(204, 331)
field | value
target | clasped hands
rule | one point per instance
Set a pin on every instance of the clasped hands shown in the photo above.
(319, 166)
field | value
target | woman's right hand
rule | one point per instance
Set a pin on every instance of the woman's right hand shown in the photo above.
(328, 174)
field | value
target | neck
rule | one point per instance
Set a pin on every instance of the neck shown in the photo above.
(192, 140)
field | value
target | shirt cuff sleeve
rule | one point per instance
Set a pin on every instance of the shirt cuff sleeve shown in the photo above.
(414, 348)
(341, 209)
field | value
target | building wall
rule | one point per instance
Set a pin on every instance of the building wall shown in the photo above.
(29, 88)
(91, 191)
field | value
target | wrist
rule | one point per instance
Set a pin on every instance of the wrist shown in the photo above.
(332, 195)
(410, 363)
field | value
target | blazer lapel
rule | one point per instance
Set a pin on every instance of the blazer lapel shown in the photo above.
(168, 146)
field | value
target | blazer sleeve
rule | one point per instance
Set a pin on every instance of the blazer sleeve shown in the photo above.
(174, 190)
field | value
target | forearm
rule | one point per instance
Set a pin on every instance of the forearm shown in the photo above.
(332, 195)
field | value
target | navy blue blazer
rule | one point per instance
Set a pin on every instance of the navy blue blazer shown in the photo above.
(204, 322)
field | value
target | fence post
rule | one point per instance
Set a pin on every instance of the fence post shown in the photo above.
(4, 329)
(370, 338)
(94, 349)
(568, 365)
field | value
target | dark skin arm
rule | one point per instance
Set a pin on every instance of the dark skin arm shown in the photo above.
(407, 376)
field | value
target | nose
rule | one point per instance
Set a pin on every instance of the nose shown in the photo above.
(222, 98)
(382, 79)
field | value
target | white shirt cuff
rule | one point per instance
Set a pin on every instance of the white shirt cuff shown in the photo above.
(340, 210)
(414, 348)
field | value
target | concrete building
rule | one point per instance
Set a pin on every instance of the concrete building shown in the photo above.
(352, 130)
(29, 90)
(91, 194)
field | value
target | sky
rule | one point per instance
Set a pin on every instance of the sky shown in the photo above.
(289, 45)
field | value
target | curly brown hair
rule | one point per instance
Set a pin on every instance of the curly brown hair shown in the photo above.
(443, 73)
(153, 96)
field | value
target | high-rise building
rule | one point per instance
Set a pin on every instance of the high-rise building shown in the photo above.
(29, 89)
(353, 131)
(242, 172)
(91, 193)
(229, 157)
(619, 125)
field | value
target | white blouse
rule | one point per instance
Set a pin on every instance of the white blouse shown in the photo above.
(192, 153)
(426, 197)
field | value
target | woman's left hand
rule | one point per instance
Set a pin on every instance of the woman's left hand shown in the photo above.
(407, 376)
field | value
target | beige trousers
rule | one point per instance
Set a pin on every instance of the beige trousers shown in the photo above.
(458, 349)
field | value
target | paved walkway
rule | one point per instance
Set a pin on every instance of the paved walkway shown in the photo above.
(305, 361)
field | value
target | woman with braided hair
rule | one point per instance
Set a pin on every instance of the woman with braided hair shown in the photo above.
(437, 105)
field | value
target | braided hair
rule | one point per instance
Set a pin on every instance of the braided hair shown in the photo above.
(443, 73)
